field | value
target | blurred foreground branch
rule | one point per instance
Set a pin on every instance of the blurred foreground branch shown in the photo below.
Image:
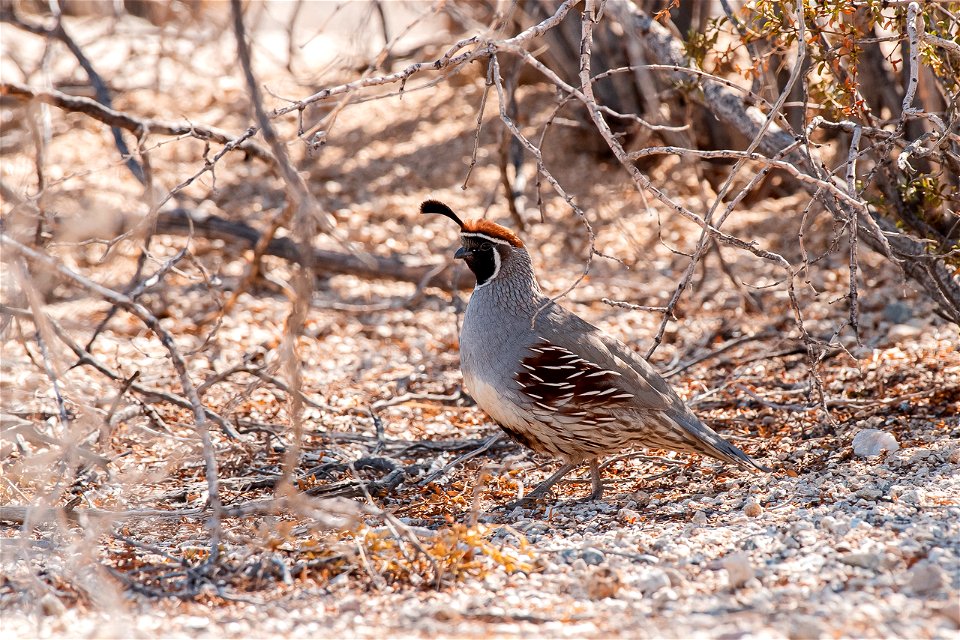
(136, 125)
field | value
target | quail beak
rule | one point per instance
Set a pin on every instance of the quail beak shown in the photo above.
(462, 254)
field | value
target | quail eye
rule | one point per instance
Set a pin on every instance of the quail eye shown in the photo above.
(485, 246)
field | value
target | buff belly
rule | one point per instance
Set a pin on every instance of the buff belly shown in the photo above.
(569, 441)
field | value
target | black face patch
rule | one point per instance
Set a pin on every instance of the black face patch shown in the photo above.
(482, 257)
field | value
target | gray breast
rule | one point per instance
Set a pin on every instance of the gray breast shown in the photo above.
(490, 340)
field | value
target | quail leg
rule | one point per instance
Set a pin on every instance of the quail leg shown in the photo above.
(543, 488)
(597, 482)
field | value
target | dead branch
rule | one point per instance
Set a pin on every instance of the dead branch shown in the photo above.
(136, 125)
(86, 358)
(880, 234)
(59, 32)
(144, 314)
(325, 262)
(20, 515)
(302, 210)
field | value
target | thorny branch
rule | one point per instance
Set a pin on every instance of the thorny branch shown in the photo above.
(302, 209)
(169, 343)
(138, 126)
(59, 32)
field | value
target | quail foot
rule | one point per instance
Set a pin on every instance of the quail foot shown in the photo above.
(554, 382)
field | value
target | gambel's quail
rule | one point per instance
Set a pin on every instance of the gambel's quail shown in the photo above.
(554, 382)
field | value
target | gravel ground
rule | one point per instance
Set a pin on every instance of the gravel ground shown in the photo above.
(865, 548)
(836, 543)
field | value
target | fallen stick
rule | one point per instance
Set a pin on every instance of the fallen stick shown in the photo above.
(325, 262)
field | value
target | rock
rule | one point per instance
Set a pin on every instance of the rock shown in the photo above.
(628, 515)
(752, 508)
(805, 628)
(872, 442)
(926, 578)
(51, 605)
(699, 518)
(897, 312)
(652, 581)
(603, 582)
(862, 559)
(950, 610)
(954, 456)
(676, 579)
(738, 568)
(592, 556)
(903, 332)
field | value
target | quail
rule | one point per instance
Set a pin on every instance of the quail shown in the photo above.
(554, 382)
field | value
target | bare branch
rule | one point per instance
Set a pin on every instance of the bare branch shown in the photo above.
(169, 343)
(137, 126)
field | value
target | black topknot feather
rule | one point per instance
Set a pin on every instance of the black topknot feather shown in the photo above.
(435, 206)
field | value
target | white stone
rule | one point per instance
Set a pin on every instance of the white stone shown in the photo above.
(652, 581)
(926, 578)
(912, 496)
(864, 560)
(873, 442)
(51, 605)
(805, 628)
(951, 610)
(738, 568)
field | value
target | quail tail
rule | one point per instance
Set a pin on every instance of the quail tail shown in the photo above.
(705, 440)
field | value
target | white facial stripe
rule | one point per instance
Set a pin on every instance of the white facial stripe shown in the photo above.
(496, 269)
(469, 234)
